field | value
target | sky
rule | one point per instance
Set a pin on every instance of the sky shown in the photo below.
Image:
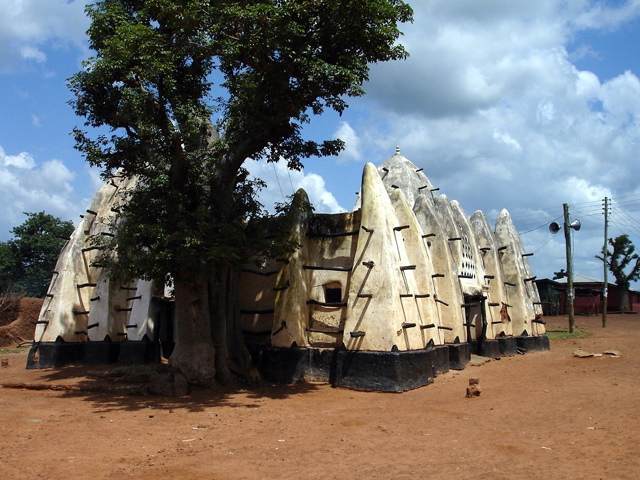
(519, 105)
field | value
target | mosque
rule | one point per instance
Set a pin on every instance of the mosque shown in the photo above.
(384, 297)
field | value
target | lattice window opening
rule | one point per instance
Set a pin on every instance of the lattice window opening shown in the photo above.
(468, 266)
(333, 292)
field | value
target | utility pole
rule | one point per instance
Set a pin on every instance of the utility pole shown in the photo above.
(567, 238)
(605, 251)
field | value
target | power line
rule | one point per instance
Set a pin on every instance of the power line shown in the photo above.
(278, 180)
(546, 224)
(544, 244)
(625, 218)
(532, 219)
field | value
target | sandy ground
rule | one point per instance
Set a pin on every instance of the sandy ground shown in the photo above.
(540, 416)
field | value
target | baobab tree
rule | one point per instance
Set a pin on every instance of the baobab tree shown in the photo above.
(182, 93)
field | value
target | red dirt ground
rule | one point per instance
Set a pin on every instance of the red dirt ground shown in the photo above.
(540, 416)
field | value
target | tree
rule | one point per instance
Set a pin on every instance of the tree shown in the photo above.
(622, 257)
(9, 268)
(193, 214)
(26, 262)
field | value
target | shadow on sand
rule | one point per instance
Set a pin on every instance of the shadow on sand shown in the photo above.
(113, 388)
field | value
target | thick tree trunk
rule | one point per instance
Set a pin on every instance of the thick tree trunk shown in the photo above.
(194, 354)
(209, 344)
(232, 355)
(623, 293)
(218, 296)
(239, 357)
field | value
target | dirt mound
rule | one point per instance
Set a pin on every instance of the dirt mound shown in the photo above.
(8, 309)
(16, 320)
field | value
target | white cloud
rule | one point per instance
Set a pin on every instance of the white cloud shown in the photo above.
(30, 52)
(27, 26)
(491, 105)
(26, 186)
(598, 15)
(22, 160)
(282, 183)
(322, 200)
(580, 190)
(506, 139)
(620, 98)
(353, 147)
(94, 177)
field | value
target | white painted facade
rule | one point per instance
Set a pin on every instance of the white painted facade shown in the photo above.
(408, 269)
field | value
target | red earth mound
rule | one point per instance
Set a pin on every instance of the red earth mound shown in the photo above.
(16, 320)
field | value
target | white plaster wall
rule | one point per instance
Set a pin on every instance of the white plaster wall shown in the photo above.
(326, 323)
(141, 319)
(418, 254)
(397, 194)
(517, 270)
(398, 172)
(291, 310)
(471, 264)
(256, 296)
(447, 287)
(68, 292)
(106, 296)
(497, 293)
(382, 315)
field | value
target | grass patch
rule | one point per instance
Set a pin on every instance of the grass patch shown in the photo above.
(563, 333)
(6, 351)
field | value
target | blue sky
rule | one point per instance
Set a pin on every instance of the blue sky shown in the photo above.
(516, 105)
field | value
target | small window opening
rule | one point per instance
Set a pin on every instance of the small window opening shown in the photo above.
(333, 293)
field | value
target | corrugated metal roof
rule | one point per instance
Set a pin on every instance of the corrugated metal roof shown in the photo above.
(577, 278)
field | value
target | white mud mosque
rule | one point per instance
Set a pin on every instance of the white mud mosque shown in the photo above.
(385, 297)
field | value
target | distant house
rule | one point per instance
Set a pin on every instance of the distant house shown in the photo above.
(588, 296)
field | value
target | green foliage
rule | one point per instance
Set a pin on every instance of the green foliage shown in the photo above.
(153, 81)
(619, 261)
(26, 262)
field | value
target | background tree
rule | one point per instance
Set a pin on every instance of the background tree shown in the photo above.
(26, 262)
(193, 213)
(9, 267)
(620, 259)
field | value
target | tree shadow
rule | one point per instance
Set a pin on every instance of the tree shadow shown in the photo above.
(113, 388)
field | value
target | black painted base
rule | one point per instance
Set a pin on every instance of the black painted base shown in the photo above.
(459, 355)
(508, 346)
(486, 348)
(59, 353)
(101, 353)
(136, 352)
(441, 364)
(533, 344)
(55, 354)
(385, 371)
(359, 370)
(290, 365)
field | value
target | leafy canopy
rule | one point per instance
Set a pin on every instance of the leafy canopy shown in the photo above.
(26, 262)
(622, 257)
(184, 91)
